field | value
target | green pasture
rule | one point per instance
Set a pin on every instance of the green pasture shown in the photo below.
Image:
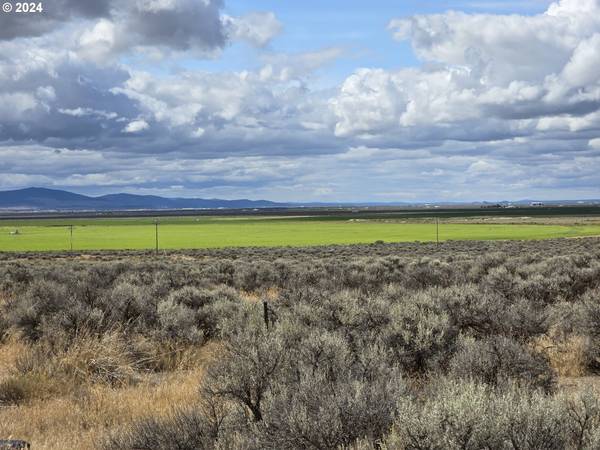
(210, 232)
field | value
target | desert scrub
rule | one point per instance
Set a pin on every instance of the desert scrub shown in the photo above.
(461, 345)
(468, 415)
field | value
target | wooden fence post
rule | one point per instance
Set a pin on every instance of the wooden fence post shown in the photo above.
(266, 313)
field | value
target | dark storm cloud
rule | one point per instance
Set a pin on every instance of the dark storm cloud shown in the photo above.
(187, 24)
(177, 24)
(54, 15)
(84, 8)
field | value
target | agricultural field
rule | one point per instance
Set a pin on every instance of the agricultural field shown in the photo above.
(215, 232)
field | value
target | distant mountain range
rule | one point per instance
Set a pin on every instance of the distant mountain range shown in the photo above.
(42, 199)
(52, 199)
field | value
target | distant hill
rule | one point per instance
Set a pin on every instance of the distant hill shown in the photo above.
(42, 199)
(52, 199)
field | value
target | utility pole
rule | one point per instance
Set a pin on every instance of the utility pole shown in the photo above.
(156, 234)
(71, 236)
(437, 230)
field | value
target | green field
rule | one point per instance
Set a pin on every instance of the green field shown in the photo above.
(211, 232)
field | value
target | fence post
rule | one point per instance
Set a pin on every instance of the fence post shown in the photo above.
(266, 313)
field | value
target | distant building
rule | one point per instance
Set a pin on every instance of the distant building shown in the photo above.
(536, 204)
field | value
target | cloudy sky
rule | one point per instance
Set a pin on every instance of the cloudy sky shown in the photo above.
(336, 100)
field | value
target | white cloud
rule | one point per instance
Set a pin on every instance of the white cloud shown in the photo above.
(82, 112)
(501, 103)
(595, 144)
(285, 67)
(370, 101)
(136, 126)
(257, 28)
(159, 28)
(15, 105)
(582, 69)
(482, 166)
(507, 47)
(199, 132)
(569, 8)
(488, 68)
(99, 42)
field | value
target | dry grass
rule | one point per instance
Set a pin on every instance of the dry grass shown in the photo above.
(571, 386)
(250, 297)
(9, 354)
(79, 418)
(271, 294)
(565, 353)
(118, 360)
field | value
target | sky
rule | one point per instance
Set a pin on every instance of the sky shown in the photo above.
(329, 100)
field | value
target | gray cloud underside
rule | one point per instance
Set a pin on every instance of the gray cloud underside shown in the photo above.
(56, 13)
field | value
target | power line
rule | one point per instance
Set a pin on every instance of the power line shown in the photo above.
(156, 235)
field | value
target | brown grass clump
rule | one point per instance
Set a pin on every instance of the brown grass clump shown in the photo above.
(108, 359)
(17, 387)
(566, 354)
(97, 385)
(81, 419)
(271, 294)
(10, 351)
(250, 297)
(12, 391)
(114, 358)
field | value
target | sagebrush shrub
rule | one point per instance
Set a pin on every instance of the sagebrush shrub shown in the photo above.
(41, 301)
(319, 412)
(467, 415)
(184, 430)
(501, 361)
(420, 333)
(250, 365)
(179, 321)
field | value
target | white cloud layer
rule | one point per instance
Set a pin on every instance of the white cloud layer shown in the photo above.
(483, 68)
(501, 104)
